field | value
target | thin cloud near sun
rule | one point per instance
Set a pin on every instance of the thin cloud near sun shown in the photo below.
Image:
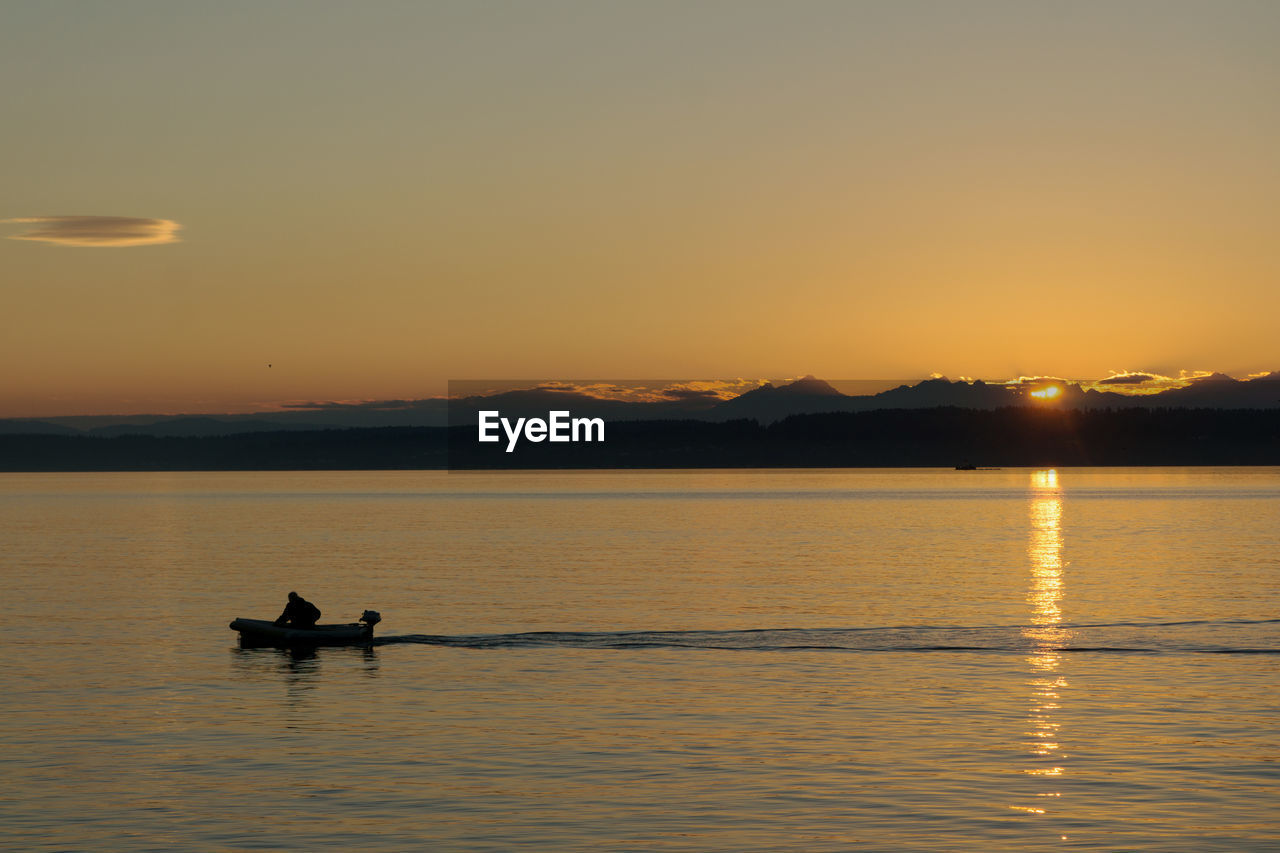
(97, 231)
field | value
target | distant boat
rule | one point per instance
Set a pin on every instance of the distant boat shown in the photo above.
(264, 632)
(966, 466)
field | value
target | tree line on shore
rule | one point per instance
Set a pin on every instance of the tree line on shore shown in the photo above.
(937, 437)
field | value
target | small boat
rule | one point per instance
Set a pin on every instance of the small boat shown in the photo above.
(264, 632)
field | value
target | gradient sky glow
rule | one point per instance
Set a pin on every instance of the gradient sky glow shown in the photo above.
(377, 197)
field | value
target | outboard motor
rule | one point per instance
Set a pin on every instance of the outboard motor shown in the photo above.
(371, 617)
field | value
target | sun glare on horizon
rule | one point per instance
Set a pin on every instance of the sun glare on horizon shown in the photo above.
(1050, 392)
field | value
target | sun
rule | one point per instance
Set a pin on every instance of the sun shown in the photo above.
(1049, 392)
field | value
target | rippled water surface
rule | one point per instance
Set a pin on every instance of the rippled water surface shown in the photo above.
(702, 661)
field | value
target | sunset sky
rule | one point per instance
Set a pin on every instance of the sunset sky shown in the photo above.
(375, 198)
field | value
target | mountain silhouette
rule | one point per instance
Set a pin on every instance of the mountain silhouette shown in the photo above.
(199, 427)
(1218, 391)
(943, 392)
(765, 404)
(808, 386)
(537, 402)
(29, 427)
(770, 402)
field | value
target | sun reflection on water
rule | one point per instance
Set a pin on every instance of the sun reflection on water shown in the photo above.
(1045, 632)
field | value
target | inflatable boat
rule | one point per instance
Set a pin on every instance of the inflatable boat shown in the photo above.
(264, 632)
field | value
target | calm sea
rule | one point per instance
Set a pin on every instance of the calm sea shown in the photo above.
(676, 660)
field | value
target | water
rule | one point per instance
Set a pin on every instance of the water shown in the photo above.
(728, 660)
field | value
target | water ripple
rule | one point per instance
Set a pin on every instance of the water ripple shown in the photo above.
(1199, 636)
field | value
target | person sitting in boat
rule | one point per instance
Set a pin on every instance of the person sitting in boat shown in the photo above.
(299, 613)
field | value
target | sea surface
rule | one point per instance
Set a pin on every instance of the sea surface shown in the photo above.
(818, 660)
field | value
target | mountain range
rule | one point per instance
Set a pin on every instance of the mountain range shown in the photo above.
(765, 404)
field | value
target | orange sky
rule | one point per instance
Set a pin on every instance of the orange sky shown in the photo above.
(376, 198)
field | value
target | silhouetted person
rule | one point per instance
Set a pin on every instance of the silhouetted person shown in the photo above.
(299, 613)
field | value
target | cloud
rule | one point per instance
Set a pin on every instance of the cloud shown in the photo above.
(362, 405)
(98, 231)
(623, 391)
(691, 394)
(1130, 379)
(1143, 382)
(632, 392)
(711, 391)
(1023, 381)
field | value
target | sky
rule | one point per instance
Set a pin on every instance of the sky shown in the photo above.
(375, 198)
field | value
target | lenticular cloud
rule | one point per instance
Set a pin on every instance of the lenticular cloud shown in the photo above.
(99, 231)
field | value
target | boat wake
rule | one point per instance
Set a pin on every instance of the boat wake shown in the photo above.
(1239, 636)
